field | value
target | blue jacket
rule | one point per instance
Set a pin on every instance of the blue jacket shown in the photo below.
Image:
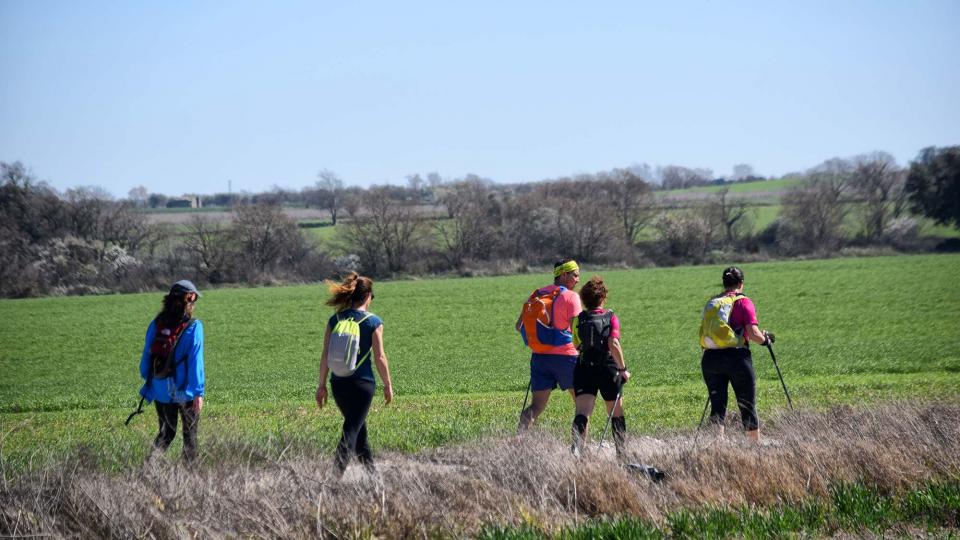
(188, 380)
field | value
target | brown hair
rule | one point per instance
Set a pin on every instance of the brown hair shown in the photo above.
(174, 309)
(593, 292)
(351, 291)
(732, 277)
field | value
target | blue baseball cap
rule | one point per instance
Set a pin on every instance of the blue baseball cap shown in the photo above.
(185, 286)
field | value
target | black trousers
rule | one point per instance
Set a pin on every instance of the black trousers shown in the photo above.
(734, 367)
(353, 397)
(167, 414)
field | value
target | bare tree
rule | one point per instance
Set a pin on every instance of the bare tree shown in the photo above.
(632, 200)
(138, 196)
(676, 177)
(813, 212)
(732, 214)
(879, 182)
(208, 242)
(329, 181)
(264, 235)
(387, 235)
(473, 230)
(742, 171)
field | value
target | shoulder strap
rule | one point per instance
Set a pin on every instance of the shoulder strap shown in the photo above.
(365, 318)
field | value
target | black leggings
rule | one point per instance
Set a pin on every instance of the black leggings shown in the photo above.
(167, 415)
(733, 366)
(353, 398)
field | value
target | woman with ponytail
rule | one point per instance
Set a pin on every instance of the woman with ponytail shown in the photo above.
(354, 387)
(728, 325)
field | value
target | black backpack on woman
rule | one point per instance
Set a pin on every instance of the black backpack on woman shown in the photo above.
(594, 330)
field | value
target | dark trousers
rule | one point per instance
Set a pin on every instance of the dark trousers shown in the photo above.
(167, 414)
(353, 397)
(734, 367)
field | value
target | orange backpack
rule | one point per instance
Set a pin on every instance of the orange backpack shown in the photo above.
(536, 322)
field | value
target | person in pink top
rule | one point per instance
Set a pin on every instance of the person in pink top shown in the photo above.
(554, 366)
(734, 365)
(600, 367)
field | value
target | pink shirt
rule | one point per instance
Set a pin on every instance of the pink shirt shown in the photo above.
(742, 314)
(565, 307)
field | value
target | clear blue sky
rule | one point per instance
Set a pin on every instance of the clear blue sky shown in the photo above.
(182, 96)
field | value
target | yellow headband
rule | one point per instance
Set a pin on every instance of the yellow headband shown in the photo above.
(569, 266)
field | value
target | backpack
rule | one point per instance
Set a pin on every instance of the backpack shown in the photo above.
(344, 346)
(715, 329)
(536, 319)
(163, 362)
(593, 330)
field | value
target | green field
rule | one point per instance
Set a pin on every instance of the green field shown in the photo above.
(849, 331)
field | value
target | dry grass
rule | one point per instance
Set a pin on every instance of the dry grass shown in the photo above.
(531, 480)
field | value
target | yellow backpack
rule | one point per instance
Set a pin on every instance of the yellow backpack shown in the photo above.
(715, 329)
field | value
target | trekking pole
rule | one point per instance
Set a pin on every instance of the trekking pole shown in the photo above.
(612, 410)
(774, 358)
(704, 413)
(527, 395)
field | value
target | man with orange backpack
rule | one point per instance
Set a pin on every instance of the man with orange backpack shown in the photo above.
(544, 324)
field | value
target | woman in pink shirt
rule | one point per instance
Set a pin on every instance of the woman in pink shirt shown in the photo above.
(734, 365)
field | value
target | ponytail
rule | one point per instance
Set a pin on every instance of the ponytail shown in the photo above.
(351, 291)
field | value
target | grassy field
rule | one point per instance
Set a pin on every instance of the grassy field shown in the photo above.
(849, 331)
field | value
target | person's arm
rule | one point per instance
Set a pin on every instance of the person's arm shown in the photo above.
(383, 368)
(195, 371)
(617, 352)
(754, 334)
(145, 356)
(324, 370)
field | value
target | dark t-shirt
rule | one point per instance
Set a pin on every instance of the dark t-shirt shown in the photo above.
(367, 327)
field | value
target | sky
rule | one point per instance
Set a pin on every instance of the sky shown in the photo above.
(193, 97)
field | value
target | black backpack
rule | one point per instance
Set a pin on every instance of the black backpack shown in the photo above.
(594, 332)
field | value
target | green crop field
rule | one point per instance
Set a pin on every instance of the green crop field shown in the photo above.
(849, 331)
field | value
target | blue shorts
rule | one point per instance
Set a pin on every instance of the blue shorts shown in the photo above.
(547, 371)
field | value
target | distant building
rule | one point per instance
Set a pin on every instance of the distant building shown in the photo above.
(185, 202)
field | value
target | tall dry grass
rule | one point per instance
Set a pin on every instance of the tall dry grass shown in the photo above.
(530, 479)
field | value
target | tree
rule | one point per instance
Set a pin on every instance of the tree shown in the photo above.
(933, 184)
(388, 234)
(265, 235)
(878, 181)
(138, 196)
(328, 181)
(208, 242)
(473, 230)
(813, 213)
(731, 214)
(632, 200)
(742, 171)
(676, 177)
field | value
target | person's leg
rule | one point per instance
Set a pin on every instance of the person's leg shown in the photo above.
(353, 401)
(542, 382)
(537, 405)
(362, 447)
(191, 421)
(744, 382)
(581, 419)
(611, 392)
(167, 417)
(716, 380)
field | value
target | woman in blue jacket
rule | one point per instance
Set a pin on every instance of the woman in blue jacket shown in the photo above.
(172, 366)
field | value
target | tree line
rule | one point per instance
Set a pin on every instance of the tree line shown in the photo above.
(81, 241)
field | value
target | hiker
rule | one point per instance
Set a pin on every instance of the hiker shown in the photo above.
(544, 324)
(600, 366)
(352, 336)
(728, 325)
(172, 368)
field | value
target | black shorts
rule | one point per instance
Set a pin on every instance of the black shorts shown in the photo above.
(589, 379)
